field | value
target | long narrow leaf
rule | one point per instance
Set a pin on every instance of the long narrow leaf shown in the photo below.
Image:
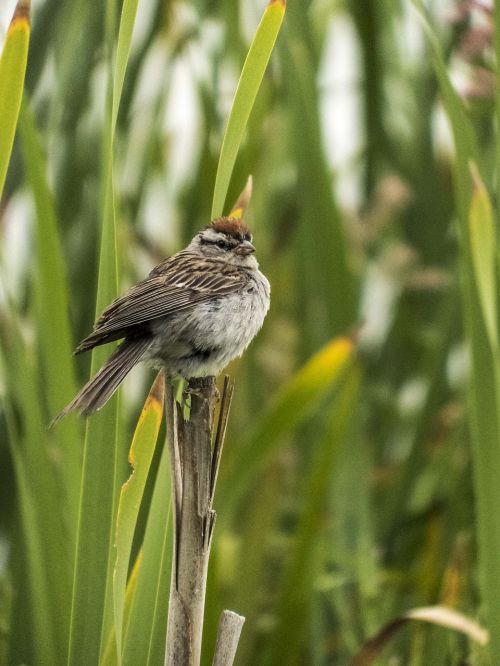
(485, 430)
(246, 92)
(496, 37)
(485, 375)
(298, 579)
(52, 312)
(45, 591)
(92, 610)
(325, 291)
(98, 491)
(109, 656)
(116, 77)
(127, 21)
(463, 132)
(290, 407)
(141, 454)
(144, 640)
(483, 254)
(12, 72)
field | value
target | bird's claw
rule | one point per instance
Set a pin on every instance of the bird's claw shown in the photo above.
(201, 392)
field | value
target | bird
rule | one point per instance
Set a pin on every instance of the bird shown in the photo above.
(193, 314)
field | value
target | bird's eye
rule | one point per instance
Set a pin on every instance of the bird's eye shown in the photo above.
(221, 244)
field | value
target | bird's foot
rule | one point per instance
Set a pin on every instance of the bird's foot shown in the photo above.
(202, 387)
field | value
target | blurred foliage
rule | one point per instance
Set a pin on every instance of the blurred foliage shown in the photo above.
(359, 481)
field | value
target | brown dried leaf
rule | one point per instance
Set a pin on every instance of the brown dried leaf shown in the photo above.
(438, 615)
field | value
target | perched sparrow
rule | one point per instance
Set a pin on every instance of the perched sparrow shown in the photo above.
(193, 314)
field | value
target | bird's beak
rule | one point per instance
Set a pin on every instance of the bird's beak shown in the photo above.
(244, 248)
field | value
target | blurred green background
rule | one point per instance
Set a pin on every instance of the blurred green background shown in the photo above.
(345, 499)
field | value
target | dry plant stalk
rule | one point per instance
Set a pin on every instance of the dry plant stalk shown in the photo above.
(194, 467)
(228, 636)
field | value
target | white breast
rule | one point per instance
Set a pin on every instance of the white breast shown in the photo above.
(226, 325)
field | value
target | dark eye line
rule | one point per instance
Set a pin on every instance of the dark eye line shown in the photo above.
(220, 243)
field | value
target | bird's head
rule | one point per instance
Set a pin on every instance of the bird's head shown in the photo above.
(227, 239)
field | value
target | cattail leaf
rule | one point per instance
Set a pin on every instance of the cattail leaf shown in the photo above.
(109, 656)
(485, 371)
(52, 311)
(244, 98)
(127, 22)
(12, 72)
(92, 607)
(289, 408)
(144, 637)
(482, 238)
(463, 132)
(299, 575)
(45, 589)
(325, 289)
(140, 457)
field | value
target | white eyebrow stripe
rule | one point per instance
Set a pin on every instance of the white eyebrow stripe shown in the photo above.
(212, 236)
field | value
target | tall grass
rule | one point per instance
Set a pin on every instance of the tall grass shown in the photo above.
(360, 474)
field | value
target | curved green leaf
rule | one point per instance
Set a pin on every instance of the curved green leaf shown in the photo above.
(244, 98)
(127, 21)
(141, 454)
(291, 406)
(144, 637)
(12, 72)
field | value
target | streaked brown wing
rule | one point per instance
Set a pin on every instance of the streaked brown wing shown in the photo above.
(177, 284)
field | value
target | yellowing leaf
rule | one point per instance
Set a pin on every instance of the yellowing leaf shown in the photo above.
(438, 615)
(146, 623)
(141, 454)
(109, 657)
(243, 200)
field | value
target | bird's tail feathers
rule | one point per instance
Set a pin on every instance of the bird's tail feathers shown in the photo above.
(99, 389)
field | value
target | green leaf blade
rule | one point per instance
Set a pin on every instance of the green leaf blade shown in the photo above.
(248, 86)
(99, 484)
(46, 592)
(481, 329)
(299, 575)
(93, 536)
(144, 639)
(127, 22)
(141, 455)
(482, 240)
(293, 403)
(13, 63)
(52, 311)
